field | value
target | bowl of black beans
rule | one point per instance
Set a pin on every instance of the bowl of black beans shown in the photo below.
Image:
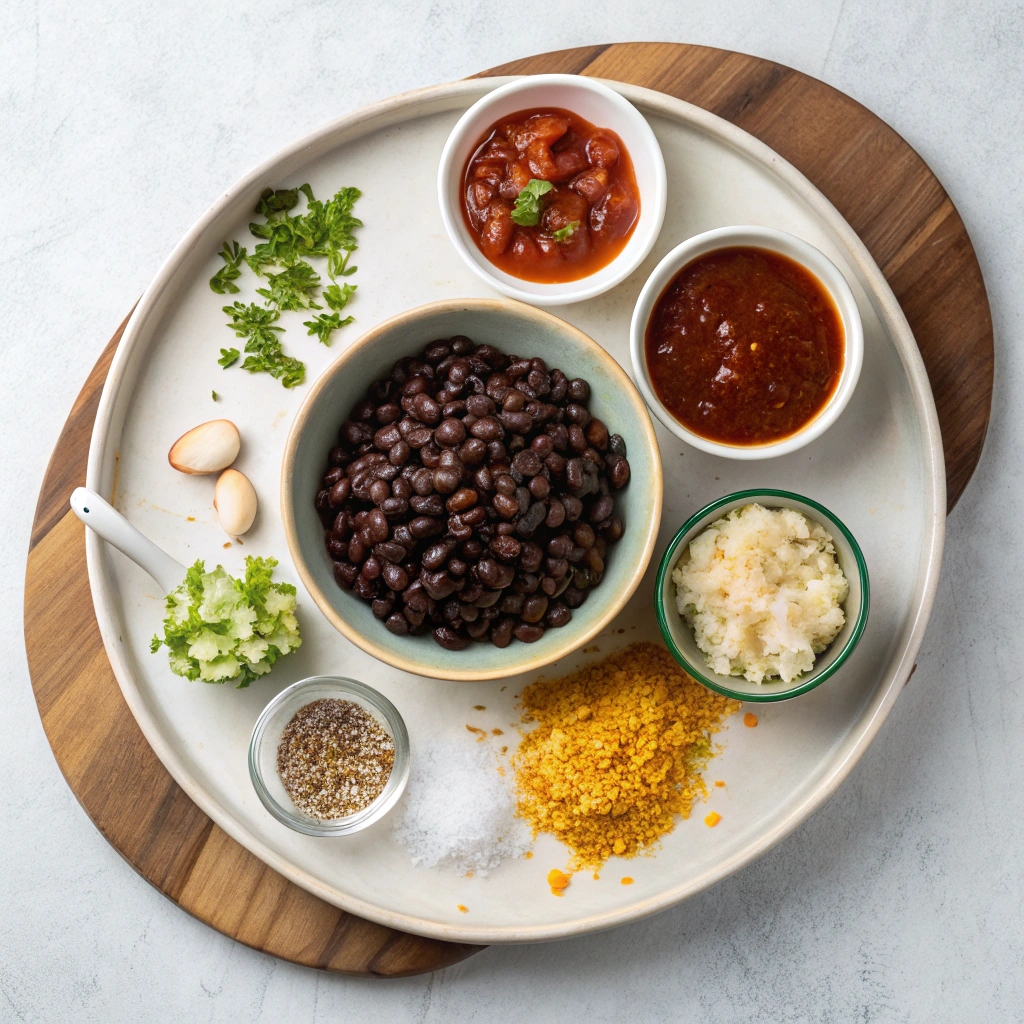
(472, 490)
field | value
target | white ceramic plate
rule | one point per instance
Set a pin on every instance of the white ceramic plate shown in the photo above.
(879, 468)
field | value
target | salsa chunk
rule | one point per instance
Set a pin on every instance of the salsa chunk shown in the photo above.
(550, 197)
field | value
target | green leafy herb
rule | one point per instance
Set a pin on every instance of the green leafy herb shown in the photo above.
(325, 324)
(215, 396)
(526, 212)
(293, 288)
(223, 281)
(337, 296)
(564, 234)
(274, 202)
(325, 229)
(265, 355)
(219, 628)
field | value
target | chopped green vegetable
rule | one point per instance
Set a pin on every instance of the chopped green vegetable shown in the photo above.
(276, 201)
(294, 288)
(337, 296)
(325, 324)
(325, 229)
(526, 212)
(214, 396)
(222, 281)
(564, 234)
(265, 354)
(220, 628)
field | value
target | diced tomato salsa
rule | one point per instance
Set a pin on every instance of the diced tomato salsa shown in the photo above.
(583, 201)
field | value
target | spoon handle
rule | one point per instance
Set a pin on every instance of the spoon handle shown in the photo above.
(109, 524)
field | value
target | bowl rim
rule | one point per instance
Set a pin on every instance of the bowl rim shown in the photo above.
(815, 262)
(698, 672)
(538, 292)
(655, 488)
(373, 811)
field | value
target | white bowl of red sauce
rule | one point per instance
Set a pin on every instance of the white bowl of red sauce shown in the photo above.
(552, 188)
(747, 342)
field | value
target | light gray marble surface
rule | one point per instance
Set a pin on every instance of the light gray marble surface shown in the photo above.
(901, 900)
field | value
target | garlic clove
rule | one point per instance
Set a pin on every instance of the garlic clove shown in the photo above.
(234, 498)
(208, 448)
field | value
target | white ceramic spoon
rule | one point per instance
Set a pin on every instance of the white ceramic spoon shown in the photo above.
(100, 516)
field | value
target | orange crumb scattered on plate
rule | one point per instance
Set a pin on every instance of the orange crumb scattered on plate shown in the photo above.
(497, 732)
(190, 519)
(750, 720)
(470, 874)
(719, 783)
(597, 875)
(463, 908)
(479, 707)
(227, 543)
(528, 855)
(712, 819)
(627, 880)
(559, 881)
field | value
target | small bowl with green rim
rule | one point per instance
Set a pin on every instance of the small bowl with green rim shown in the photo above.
(679, 636)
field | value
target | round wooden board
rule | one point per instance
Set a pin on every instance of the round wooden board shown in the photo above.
(879, 184)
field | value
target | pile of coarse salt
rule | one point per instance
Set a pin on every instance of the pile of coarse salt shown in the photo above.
(458, 810)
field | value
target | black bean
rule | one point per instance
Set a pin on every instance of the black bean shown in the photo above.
(487, 428)
(597, 434)
(532, 519)
(425, 526)
(505, 506)
(438, 585)
(473, 451)
(488, 598)
(574, 473)
(462, 499)
(427, 505)
(583, 535)
(340, 491)
(618, 472)
(528, 633)
(527, 462)
(446, 479)
(394, 507)
(573, 507)
(449, 639)
(419, 437)
(450, 432)
(601, 509)
(506, 548)
(556, 513)
(579, 390)
(430, 455)
(501, 634)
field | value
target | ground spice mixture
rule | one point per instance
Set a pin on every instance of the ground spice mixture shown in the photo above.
(334, 758)
(616, 753)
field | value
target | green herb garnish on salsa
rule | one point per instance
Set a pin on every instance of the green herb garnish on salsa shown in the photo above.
(526, 211)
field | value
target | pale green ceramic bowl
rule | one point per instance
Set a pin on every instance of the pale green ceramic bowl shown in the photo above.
(679, 636)
(511, 327)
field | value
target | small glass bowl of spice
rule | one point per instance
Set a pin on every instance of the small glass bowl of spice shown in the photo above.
(329, 756)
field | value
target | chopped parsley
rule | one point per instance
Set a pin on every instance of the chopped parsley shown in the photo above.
(564, 234)
(324, 230)
(294, 288)
(223, 281)
(526, 212)
(263, 347)
(214, 396)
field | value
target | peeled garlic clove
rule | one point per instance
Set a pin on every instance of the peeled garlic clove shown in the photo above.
(234, 498)
(208, 448)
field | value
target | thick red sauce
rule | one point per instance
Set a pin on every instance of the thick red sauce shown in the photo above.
(585, 220)
(745, 346)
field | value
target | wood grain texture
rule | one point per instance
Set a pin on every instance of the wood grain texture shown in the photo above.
(879, 184)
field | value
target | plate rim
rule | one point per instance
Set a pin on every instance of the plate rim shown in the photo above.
(905, 649)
